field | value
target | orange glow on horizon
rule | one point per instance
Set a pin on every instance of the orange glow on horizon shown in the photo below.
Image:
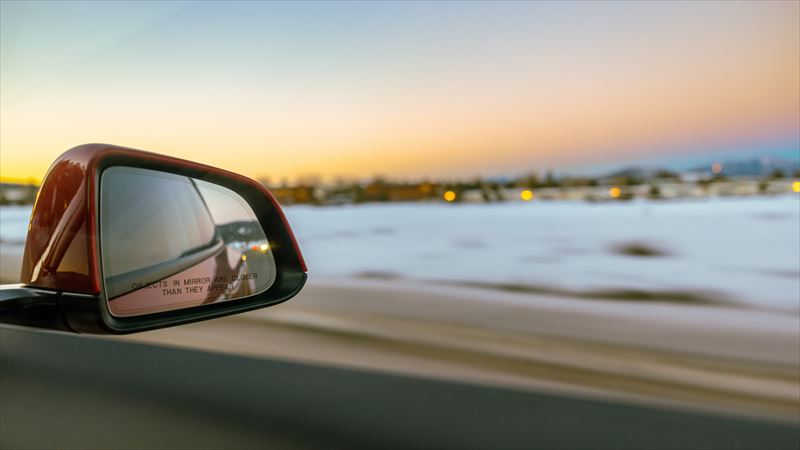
(729, 80)
(614, 192)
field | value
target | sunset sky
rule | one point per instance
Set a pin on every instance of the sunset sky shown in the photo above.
(400, 89)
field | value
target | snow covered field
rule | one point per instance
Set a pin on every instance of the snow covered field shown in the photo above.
(14, 225)
(737, 251)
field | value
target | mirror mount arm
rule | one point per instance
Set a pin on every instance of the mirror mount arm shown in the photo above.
(40, 308)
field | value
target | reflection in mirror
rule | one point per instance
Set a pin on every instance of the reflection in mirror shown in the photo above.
(169, 242)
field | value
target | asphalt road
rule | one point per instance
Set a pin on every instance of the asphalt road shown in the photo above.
(68, 391)
(708, 358)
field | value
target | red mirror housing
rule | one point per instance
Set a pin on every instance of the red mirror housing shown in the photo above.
(62, 247)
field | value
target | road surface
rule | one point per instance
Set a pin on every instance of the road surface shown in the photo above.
(67, 391)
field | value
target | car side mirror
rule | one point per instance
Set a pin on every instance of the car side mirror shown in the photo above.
(123, 240)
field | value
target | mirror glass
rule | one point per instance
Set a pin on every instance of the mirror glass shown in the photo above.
(168, 242)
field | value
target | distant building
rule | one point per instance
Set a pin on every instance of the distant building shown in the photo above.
(297, 195)
(381, 191)
(17, 194)
(405, 193)
(376, 191)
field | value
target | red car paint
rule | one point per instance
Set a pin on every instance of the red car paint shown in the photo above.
(61, 250)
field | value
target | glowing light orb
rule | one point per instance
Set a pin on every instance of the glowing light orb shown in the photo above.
(526, 195)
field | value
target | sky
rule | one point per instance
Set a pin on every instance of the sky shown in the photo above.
(413, 89)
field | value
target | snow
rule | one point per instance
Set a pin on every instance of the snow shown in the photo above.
(14, 224)
(740, 250)
(743, 250)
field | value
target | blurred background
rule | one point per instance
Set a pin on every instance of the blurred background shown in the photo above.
(591, 198)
